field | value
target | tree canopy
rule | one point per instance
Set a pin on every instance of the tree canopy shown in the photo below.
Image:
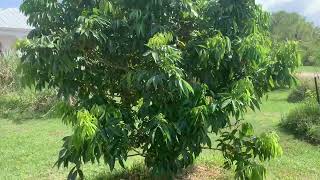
(156, 77)
(292, 26)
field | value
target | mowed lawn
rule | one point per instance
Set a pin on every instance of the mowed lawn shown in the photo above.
(29, 148)
(301, 160)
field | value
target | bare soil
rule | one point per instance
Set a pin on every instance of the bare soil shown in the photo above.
(306, 75)
(202, 173)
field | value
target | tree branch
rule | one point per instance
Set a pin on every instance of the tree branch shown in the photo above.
(137, 153)
(132, 155)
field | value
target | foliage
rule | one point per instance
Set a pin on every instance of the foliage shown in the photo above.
(27, 103)
(304, 121)
(292, 26)
(9, 78)
(155, 78)
(14, 98)
(304, 90)
(300, 93)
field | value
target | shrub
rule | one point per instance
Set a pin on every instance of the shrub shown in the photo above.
(304, 121)
(299, 94)
(303, 91)
(311, 61)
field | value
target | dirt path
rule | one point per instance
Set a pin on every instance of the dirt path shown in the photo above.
(307, 75)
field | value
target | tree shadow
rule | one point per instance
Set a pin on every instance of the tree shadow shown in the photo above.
(298, 136)
(140, 172)
(135, 172)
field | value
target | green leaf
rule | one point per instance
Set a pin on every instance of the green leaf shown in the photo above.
(226, 103)
(155, 56)
(247, 130)
(185, 87)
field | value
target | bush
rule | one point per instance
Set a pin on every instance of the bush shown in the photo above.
(299, 94)
(303, 91)
(304, 121)
(311, 61)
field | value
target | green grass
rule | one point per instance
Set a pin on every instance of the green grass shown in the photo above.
(29, 148)
(309, 69)
(300, 160)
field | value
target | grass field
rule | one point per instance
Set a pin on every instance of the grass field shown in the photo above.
(301, 160)
(29, 147)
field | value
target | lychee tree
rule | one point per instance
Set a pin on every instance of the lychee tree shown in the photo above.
(158, 78)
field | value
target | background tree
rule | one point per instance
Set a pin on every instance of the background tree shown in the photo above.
(292, 26)
(155, 77)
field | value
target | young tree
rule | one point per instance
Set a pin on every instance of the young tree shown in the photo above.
(155, 77)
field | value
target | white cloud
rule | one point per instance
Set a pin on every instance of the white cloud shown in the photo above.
(313, 7)
(268, 4)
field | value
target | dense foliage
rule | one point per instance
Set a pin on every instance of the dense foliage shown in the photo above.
(292, 26)
(304, 121)
(155, 77)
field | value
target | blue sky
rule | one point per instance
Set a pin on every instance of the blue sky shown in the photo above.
(308, 8)
(10, 3)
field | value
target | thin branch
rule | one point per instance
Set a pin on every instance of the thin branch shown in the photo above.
(137, 153)
(132, 155)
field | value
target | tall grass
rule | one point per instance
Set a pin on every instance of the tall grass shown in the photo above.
(15, 100)
(9, 78)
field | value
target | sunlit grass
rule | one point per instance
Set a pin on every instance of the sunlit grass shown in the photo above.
(300, 160)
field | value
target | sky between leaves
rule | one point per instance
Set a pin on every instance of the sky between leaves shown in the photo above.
(308, 8)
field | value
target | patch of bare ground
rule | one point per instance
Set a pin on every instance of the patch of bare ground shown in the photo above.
(306, 75)
(198, 172)
(202, 173)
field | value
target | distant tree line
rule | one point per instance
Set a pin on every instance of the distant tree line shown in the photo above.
(292, 26)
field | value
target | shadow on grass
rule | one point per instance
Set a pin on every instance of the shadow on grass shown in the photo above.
(136, 172)
(315, 141)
